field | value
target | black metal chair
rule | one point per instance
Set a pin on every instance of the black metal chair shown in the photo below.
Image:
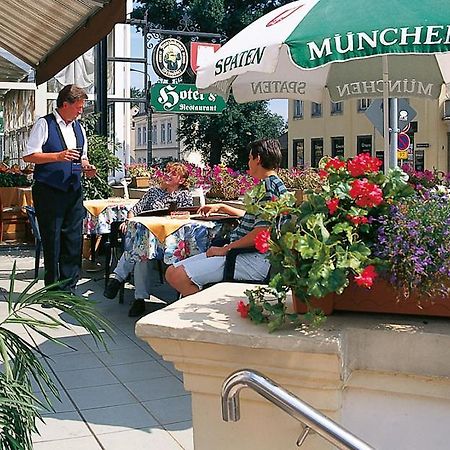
(230, 264)
(31, 214)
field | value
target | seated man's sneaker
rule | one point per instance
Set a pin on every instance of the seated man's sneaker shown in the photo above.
(137, 308)
(112, 288)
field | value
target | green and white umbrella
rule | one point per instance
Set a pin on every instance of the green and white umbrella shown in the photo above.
(299, 49)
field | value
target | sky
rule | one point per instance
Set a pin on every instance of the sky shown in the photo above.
(137, 79)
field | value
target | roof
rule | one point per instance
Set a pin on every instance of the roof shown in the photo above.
(49, 34)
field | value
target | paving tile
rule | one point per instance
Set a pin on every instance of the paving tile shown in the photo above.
(83, 443)
(145, 370)
(59, 406)
(118, 341)
(98, 376)
(99, 396)
(157, 389)
(119, 418)
(125, 356)
(75, 361)
(171, 410)
(171, 368)
(182, 432)
(144, 439)
(63, 425)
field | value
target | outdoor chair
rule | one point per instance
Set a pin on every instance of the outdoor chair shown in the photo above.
(12, 215)
(31, 214)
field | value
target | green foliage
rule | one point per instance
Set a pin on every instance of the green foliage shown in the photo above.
(13, 179)
(224, 138)
(101, 155)
(22, 363)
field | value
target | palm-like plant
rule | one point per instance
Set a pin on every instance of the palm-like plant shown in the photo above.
(19, 406)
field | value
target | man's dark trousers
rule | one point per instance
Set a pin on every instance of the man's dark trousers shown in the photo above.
(60, 217)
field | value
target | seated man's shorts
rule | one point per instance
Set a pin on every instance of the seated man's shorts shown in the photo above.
(202, 270)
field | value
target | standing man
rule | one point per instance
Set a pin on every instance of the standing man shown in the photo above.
(58, 148)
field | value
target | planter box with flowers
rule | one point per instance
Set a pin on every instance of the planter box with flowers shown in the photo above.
(362, 228)
(139, 174)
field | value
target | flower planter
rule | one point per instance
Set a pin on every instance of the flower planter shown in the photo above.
(139, 182)
(381, 298)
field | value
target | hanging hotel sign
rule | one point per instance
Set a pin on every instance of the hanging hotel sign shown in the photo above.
(170, 58)
(184, 99)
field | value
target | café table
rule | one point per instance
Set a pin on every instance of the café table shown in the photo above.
(101, 213)
(168, 239)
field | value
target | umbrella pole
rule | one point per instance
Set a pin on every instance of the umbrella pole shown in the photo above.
(386, 112)
(393, 105)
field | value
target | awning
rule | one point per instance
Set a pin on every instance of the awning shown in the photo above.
(49, 34)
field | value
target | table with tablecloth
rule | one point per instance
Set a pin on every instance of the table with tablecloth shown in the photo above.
(101, 213)
(167, 238)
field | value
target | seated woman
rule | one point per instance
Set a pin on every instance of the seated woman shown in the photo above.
(190, 275)
(173, 188)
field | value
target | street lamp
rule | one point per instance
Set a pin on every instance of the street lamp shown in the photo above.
(148, 111)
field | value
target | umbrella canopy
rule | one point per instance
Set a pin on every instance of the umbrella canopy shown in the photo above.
(300, 48)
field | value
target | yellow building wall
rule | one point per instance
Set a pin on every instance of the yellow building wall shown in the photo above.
(351, 123)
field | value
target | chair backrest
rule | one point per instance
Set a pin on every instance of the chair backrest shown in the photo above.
(31, 214)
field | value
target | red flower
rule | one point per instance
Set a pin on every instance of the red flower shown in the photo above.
(262, 241)
(367, 276)
(362, 164)
(332, 205)
(357, 220)
(323, 173)
(334, 163)
(365, 193)
(242, 309)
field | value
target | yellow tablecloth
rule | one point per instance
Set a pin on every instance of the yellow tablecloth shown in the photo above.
(96, 207)
(16, 196)
(161, 226)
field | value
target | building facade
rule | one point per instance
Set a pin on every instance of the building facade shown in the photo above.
(342, 129)
(165, 143)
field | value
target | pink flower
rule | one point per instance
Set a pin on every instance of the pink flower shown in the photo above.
(365, 279)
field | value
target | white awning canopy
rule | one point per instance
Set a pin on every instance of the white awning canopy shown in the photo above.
(49, 34)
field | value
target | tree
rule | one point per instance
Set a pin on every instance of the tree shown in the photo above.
(221, 138)
(224, 138)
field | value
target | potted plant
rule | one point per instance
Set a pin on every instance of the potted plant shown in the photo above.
(139, 174)
(332, 243)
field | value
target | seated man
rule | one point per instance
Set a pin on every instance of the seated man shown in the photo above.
(190, 275)
(173, 188)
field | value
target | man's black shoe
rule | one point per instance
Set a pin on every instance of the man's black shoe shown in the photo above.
(112, 288)
(137, 308)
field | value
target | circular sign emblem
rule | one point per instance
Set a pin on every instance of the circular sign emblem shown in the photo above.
(403, 141)
(170, 58)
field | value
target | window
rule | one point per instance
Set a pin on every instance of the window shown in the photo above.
(154, 134)
(363, 104)
(364, 144)
(299, 153)
(163, 133)
(337, 146)
(169, 132)
(316, 109)
(316, 151)
(139, 136)
(144, 137)
(446, 115)
(337, 108)
(298, 109)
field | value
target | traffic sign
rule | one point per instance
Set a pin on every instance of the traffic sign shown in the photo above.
(374, 113)
(402, 154)
(403, 141)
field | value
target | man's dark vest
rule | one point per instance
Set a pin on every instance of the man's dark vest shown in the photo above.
(58, 174)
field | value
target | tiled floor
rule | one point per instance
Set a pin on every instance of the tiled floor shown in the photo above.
(123, 398)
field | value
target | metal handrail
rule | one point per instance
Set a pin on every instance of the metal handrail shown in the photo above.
(288, 402)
